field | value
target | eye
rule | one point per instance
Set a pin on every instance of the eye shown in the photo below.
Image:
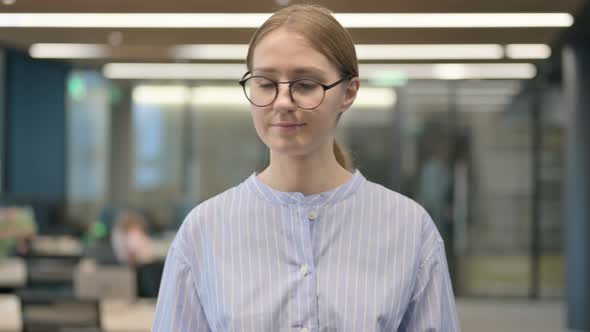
(266, 85)
(263, 83)
(305, 85)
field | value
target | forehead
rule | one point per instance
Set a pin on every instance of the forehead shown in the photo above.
(283, 50)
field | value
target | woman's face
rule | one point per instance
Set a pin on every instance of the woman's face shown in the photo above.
(283, 55)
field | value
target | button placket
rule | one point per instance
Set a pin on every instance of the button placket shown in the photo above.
(308, 214)
(304, 270)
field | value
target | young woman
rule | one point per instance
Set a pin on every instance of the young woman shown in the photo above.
(308, 244)
(130, 240)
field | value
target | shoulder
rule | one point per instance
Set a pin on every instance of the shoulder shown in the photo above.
(208, 212)
(404, 213)
(394, 202)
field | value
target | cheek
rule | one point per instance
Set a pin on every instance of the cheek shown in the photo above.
(259, 123)
(330, 107)
(328, 119)
(320, 127)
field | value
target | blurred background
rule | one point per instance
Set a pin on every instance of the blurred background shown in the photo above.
(118, 117)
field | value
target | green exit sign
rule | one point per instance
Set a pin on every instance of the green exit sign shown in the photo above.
(389, 78)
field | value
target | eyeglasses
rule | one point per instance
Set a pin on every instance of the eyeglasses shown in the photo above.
(306, 93)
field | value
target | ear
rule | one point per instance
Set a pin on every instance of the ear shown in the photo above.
(350, 93)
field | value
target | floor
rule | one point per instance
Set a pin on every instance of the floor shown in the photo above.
(511, 315)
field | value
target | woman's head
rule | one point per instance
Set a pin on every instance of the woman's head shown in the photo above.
(322, 31)
(130, 221)
(303, 42)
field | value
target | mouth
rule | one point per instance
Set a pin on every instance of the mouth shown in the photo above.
(288, 125)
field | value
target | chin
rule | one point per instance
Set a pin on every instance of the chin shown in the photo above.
(289, 148)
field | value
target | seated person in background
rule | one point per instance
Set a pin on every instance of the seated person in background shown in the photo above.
(17, 226)
(130, 240)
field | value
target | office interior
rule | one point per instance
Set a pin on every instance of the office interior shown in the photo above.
(484, 120)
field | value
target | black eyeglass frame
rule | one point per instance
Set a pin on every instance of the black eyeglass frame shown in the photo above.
(326, 87)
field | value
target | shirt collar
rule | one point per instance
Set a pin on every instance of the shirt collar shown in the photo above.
(296, 198)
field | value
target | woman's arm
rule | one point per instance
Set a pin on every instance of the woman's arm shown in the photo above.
(178, 307)
(432, 307)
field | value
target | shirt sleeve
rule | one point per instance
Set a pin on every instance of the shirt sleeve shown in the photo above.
(178, 307)
(432, 306)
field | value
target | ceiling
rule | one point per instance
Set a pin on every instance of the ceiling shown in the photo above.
(242, 6)
(151, 44)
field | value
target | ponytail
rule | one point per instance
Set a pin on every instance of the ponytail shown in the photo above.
(343, 156)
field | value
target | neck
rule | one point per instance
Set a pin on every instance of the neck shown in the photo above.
(309, 174)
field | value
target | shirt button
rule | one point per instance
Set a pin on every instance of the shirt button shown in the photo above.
(305, 329)
(312, 215)
(304, 270)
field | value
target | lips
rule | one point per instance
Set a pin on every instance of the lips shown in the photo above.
(288, 125)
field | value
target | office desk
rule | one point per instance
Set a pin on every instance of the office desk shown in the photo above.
(57, 310)
(13, 272)
(95, 281)
(127, 315)
(57, 246)
(52, 260)
(10, 311)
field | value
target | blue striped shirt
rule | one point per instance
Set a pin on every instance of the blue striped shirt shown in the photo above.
(356, 258)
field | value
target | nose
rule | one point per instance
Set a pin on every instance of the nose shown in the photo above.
(283, 102)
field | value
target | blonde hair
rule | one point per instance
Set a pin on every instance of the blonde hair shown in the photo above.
(128, 220)
(317, 25)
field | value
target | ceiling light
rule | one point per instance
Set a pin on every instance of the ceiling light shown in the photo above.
(453, 71)
(195, 71)
(254, 20)
(455, 20)
(528, 51)
(211, 51)
(132, 20)
(375, 97)
(218, 96)
(68, 51)
(160, 95)
(429, 52)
